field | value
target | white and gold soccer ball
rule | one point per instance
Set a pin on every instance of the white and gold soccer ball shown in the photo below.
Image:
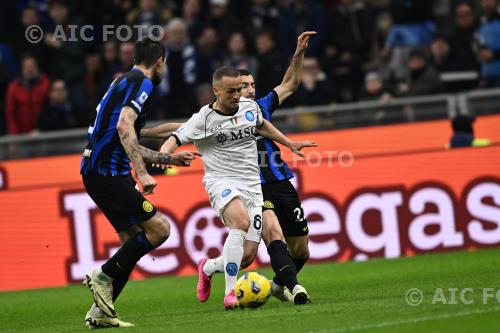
(253, 290)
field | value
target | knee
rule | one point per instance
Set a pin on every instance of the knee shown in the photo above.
(160, 230)
(300, 254)
(241, 224)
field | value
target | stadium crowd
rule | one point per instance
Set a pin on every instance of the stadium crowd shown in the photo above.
(363, 50)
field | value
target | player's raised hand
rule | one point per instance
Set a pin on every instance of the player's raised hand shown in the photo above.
(147, 182)
(297, 146)
(303, 40)
(184, 158)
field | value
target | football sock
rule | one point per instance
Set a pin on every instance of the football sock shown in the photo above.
(214, 266)
(299, 263)
(232, 254)
(283, 265)
(119, 266)
(119, 283)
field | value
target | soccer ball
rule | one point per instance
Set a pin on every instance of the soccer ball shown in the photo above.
(253, 290)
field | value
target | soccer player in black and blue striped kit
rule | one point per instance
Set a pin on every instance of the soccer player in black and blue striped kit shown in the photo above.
(106, 173)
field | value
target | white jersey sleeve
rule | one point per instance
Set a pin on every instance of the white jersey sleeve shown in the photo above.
(260, 117)
(193, 129)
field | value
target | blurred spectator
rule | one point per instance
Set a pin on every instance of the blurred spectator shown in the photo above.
(349, 46)
(5, 78)
(462, 40)
(423, 78)
(238, 56)
(441, 55)
(93, 83)
(264, 14)
(221, 20)
(67, 57)
(20, 45)
(463, 133)
(209, 54)
(191, 14)
(26, 97)
(315, 88)
(489, 44)
(204, 95)
(375, 89)
(125, 63)
(146, 15)
(296, 17)
(271, 64)
(59, 113)
(109, 55)
(180, 77)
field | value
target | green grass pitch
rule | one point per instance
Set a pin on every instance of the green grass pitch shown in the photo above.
(349, 297)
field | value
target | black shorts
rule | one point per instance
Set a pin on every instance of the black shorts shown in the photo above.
(119, 200)
(282, 198)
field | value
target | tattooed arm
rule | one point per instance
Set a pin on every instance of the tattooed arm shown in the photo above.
(128, 138)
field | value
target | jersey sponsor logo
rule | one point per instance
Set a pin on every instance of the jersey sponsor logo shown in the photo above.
(232, 269)
(250, 116)
(221, 138)
(243, 133)
(147, 206)
(268, 204)
(226, 192)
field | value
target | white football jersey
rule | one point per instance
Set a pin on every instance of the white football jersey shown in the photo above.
(227, 142)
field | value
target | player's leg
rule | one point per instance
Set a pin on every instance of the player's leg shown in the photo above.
(236, 219)
(299, 249)
(95, 315)
(124, 207)
(281, 262)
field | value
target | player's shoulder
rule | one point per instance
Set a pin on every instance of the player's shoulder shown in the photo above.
(136, 76)
(247, 104)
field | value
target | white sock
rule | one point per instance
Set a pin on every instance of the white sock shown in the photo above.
(214, 266)
(232, 255)
(96, 312)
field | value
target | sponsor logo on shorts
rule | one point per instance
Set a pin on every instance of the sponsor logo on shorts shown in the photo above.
(232, 269)
(268, 204)
(250, 116)
(226, 192)
(147, 206)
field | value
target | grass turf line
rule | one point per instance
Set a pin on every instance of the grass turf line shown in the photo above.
(349, 297)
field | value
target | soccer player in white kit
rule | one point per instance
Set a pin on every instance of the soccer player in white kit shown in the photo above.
(224, 132)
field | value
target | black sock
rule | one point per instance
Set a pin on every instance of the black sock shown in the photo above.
(283, 265)
(119, 283)
(299, 263)
(119, 266)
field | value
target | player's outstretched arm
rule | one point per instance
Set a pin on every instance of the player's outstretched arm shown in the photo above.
(183, 158)
(160, 132)
(269, 131)
(128, 138)
(291, 79)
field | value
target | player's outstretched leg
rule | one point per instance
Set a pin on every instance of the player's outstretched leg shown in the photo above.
(100, 281)
(236, 218)
(282, 263)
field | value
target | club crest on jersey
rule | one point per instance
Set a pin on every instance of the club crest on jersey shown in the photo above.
(226, 192)
(250, 116)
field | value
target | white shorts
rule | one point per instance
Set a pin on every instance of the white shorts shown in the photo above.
(221, 192)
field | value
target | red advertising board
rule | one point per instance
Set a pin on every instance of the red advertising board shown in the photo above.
(405, 194)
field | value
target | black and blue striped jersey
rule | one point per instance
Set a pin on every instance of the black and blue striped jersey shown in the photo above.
(104, 154)
(272, 166)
